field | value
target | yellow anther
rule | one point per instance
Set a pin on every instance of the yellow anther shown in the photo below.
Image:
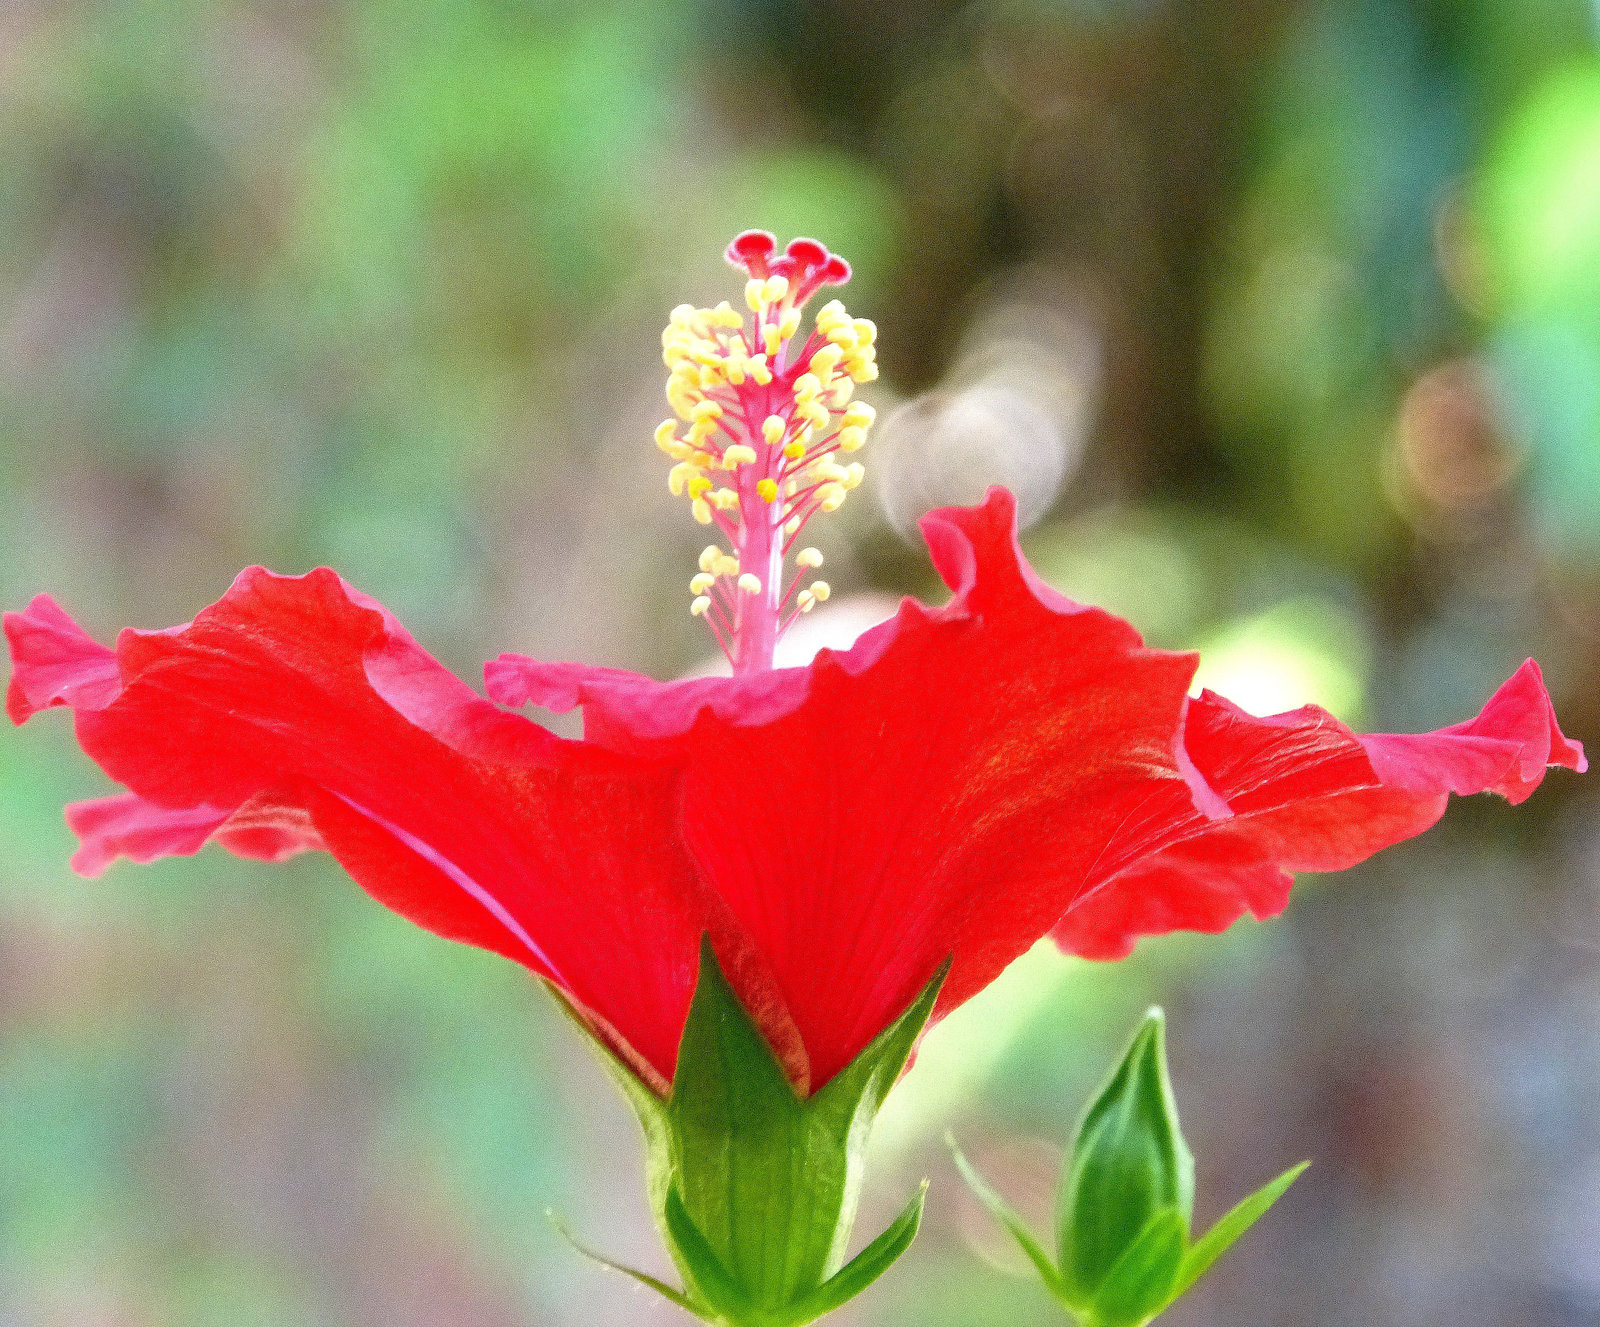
(852, 437)
(795, 450)
(776, 289)
(790, 324)
(734, 368)
(866, 330)
(683, 315)
(807, 387)
(750, 583)
(681, 396)
(700, 607)
(826, 360)
(773, 428)
(701, 583)
(767, 490)
(831, 471)
(709, 556)
(792, 525)
(706, 410)
(666, 435)
(759, 371)
(724, 315)
(814, 413)
(864, 372)
(755, 290)
(821, 590)
(860, 415)
(854, 473)
(739, 454)
(725, 499)
(678, 478)
(830, 315)
(830, 497)
(770, 336)
(725, 565)
(700, 485)
(806, 601)
(808, 557)
(701, 510)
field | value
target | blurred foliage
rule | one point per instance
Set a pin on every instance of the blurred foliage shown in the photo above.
(1293, 304)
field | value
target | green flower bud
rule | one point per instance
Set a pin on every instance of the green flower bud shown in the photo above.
(1130, 1173)
(1126, 1199)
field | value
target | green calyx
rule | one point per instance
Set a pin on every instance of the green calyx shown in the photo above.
(1123, 1248)
(755, 1188)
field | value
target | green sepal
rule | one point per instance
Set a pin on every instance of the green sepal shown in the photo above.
(611, 1265)
(728, 1299)
(755, 1188)
(868, 1265)
(1139, 1284)
(1007, 1216)
(1128, 1163)
(1216, 1241)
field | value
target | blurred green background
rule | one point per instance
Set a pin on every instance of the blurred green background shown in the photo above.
(1282, 317)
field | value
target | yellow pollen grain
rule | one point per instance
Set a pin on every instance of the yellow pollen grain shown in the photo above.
(700, 485)
(767, 490)
(795, 450)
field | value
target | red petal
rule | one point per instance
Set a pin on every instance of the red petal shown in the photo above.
(55, 663)
(130, 826)
(945, 787)
(1294, 783)
(291, 694)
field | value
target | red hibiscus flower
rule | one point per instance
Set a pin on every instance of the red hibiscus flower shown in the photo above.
(965, 779)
